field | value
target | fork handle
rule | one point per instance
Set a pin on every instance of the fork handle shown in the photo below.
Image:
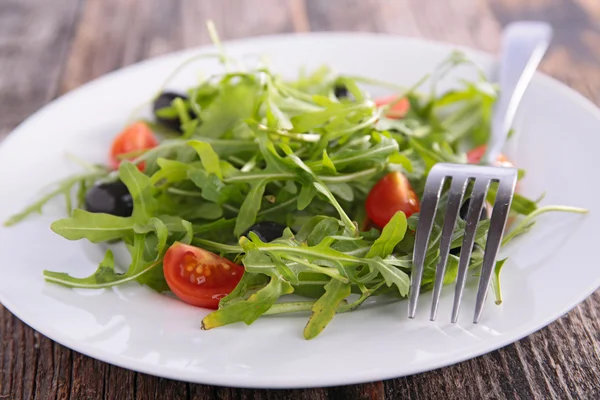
(523, 46)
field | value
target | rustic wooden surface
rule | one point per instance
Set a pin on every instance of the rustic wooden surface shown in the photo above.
(50, 47)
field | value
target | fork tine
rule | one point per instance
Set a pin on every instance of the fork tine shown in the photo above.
(429, 202)
(455, 196)
(478, 196)
(506, 188)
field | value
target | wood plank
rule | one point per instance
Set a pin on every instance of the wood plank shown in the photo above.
(560, 361)
(34, 39)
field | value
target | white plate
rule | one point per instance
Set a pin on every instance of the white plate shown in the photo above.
(550, 271)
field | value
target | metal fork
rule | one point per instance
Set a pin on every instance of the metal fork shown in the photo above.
(523, 46)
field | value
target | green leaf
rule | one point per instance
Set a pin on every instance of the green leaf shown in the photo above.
(155, 279)
(523, 205)
(248, 310)
(280, 120)
(250, 208)
(311, 120)
(343, 216)
(449, 276)
(210, 159)
(189, 232)
(342, 190)
(325, 308)
(210, 184)
(170, 171)
(496, 281)
(96, 227)
(307, 228)
(63, 187)
(392, 234)
(259, 263)
(105, 275)
(249, 283)
(520, 204)
(328, 226)
(234, 103)
(141, 190)
(207, 211)
(378, 154)
(403, 160)
(327, 163)
(161, 231)
(307, 194)
(271, 264)
(182, 110)
(391, 274)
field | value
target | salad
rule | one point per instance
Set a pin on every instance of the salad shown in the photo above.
(249, 188)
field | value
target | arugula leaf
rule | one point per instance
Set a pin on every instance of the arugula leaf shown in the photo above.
(105, 275)
(326, 227)
(325, 308)
(343, 216)
(248, 310)
(141, 190)
(392, 234)
(391, 274)
(63, 187)
(307, 194)
(210, 159)
(327, 163)
(342, 190)
(276, 117)
(496, 281)
(154, 278)
(250, 208)
(234, 103)
(170, 171)
(249, 283)
(156, 226)
(95, 227)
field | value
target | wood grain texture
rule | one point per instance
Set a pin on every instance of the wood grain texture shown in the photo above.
(48, 48)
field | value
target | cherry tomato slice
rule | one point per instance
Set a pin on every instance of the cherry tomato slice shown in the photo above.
(398, 110)
(199, 277)
(391, 194)
(474, 156)
(135, 137)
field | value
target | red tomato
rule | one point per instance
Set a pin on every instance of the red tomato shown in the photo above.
(391, 194)
(474, 156)
(134, 138)
(199, 277)
(399, 109)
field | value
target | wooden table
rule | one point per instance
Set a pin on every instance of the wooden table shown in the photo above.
(50, 47)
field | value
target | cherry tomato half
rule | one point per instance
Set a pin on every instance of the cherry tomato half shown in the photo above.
(398, 110)
(474, 156)
(391, 194)
(199, 277)
(135, 137)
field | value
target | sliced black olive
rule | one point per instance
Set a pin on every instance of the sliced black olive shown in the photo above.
(456, 251)
(266, 231)
(109, 198)
(163, 101)
(341, 91)
(464, 209)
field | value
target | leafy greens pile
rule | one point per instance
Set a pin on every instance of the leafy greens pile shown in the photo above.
(256, 147)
